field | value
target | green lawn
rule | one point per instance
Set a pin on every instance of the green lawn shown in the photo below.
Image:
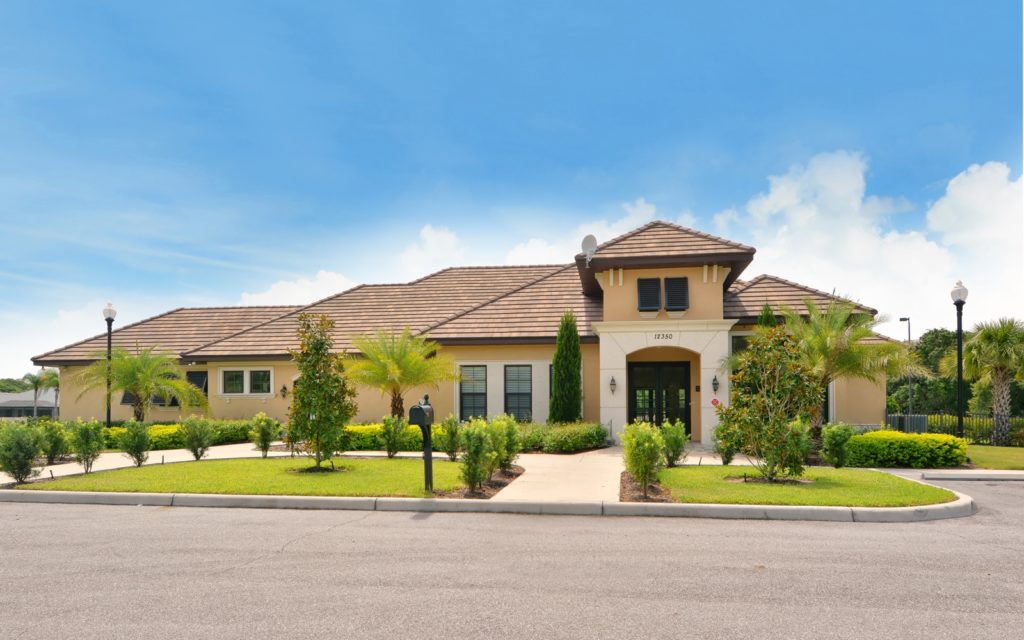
(988, 457)
(830, 487)
(271, 476)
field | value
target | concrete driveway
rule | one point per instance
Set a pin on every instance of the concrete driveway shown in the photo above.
(85, 572)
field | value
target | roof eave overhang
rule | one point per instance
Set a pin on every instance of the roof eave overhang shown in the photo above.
(737, 261)
(500, 340)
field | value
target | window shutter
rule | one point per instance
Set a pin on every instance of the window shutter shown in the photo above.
(677, 294)
(648, 294)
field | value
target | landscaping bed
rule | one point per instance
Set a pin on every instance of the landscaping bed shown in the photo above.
(359, 477)
(826, 487)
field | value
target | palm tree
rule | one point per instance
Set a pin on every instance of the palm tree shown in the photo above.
(51, 380)
(838, 342)
(394, 363)
(993, 353)
(35, 382)
(143, 375)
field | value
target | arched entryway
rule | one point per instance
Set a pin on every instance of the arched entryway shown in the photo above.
(660, 387)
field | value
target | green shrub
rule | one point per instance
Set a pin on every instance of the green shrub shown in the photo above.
(675, 437)
(391, 434)
(833, 443)
(169, 436)
(643, 452)
(727, 441)
(54, 440)
(476, 454)
(87, 442)
(135, 442)
(896, 449)
(447, 437)
(230, 431)
(197, 434)
(20, 444)
(496, 445)
(509, 440)
(367, 437)
(574, 437)
(264, 431)
(112, 437)
(531, 436)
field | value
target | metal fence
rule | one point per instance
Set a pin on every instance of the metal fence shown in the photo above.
(977, 427)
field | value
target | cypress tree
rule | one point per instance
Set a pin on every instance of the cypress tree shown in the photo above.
(767, 317)
(566, 377)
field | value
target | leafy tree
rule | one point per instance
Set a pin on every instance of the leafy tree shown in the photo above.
(264, 431)
(773, 392)
(643, 453)
(994, 353)
(323, 402)
(54, 439)
(87, 442)
(566, 376)
(198, 436)
(837, 342)
(936, 394)
(143, 376)
(395, 363)
(13, 385)
(19, 446)
(675, 437)
(39, 382)
(135, 442)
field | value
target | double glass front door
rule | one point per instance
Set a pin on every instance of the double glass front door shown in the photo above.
(659, 391)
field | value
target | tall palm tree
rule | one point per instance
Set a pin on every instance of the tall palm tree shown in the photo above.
(51, 380)
(838, 342)
(36, 382)
(994, 353)
(143, 375)
(395, 363)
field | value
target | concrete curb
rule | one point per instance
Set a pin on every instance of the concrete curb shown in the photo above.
(990, 476)
(961, 507)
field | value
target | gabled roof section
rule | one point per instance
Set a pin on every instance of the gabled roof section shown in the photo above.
(530, 314)
(663, 244)
(417, 305)
(175, 331)
(745, 299)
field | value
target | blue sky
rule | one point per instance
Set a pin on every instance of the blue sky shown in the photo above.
(191, 153)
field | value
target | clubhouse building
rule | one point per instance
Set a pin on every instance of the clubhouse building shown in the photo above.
(659, 310)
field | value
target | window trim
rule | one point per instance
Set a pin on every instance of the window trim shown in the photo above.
(246, 382)
(462, 395)
(529, 368)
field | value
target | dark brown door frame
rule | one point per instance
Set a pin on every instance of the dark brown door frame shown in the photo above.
(661, 381)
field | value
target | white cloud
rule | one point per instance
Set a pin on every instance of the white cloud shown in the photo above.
(687, 219)
(547, 251)
(816, 225)
(723, 220)
(437, 248)
(300, 291)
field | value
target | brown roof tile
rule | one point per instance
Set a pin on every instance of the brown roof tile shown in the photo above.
(659, 238)
(744, 300)
(175, 331)
(416, 305)
(526, 314)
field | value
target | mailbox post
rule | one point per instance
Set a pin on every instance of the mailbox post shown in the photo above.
(422, 415)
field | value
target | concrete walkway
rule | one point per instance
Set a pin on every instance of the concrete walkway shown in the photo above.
(592, 476)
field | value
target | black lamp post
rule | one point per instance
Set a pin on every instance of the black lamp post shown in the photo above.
(910, 377)
(959, 295)
(109, 313)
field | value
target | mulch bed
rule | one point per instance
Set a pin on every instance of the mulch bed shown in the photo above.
(498, 481)
(630, 491)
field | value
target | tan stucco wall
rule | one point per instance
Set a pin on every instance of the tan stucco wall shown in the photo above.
(859, 401)
(672, 354)
(620, 301)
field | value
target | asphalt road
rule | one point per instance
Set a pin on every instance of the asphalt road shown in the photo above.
(80, 572)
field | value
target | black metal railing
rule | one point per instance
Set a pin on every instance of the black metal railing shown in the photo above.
(977, 427)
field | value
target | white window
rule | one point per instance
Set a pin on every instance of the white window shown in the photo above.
(252, 382)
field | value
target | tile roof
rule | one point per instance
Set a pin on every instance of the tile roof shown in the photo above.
(24, 398)
(659, 238)
(418, 305)
(529, 313)
(175, 331)
(745, 299)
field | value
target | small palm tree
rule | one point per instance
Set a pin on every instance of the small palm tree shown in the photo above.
(837, 342)
(143, 375)
(51, 380)
(394, 363)
(39, 382)
(993, 353)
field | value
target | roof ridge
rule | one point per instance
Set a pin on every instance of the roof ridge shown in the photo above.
(242, 306)
(677, 227)
(492, 300)
(100, 335)
(812, 290)
(275, 319)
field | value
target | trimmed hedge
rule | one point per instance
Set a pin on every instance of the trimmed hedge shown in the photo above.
(561, 438)
(367, 437)
(897, 449)
(572, 438)
(168, 436)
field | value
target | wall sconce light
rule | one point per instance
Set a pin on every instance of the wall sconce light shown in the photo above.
(284, 391)
(611, 384)
(714, 384)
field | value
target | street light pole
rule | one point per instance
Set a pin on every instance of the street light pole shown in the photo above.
(959, 295)
(910, 376)
(109, 313)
